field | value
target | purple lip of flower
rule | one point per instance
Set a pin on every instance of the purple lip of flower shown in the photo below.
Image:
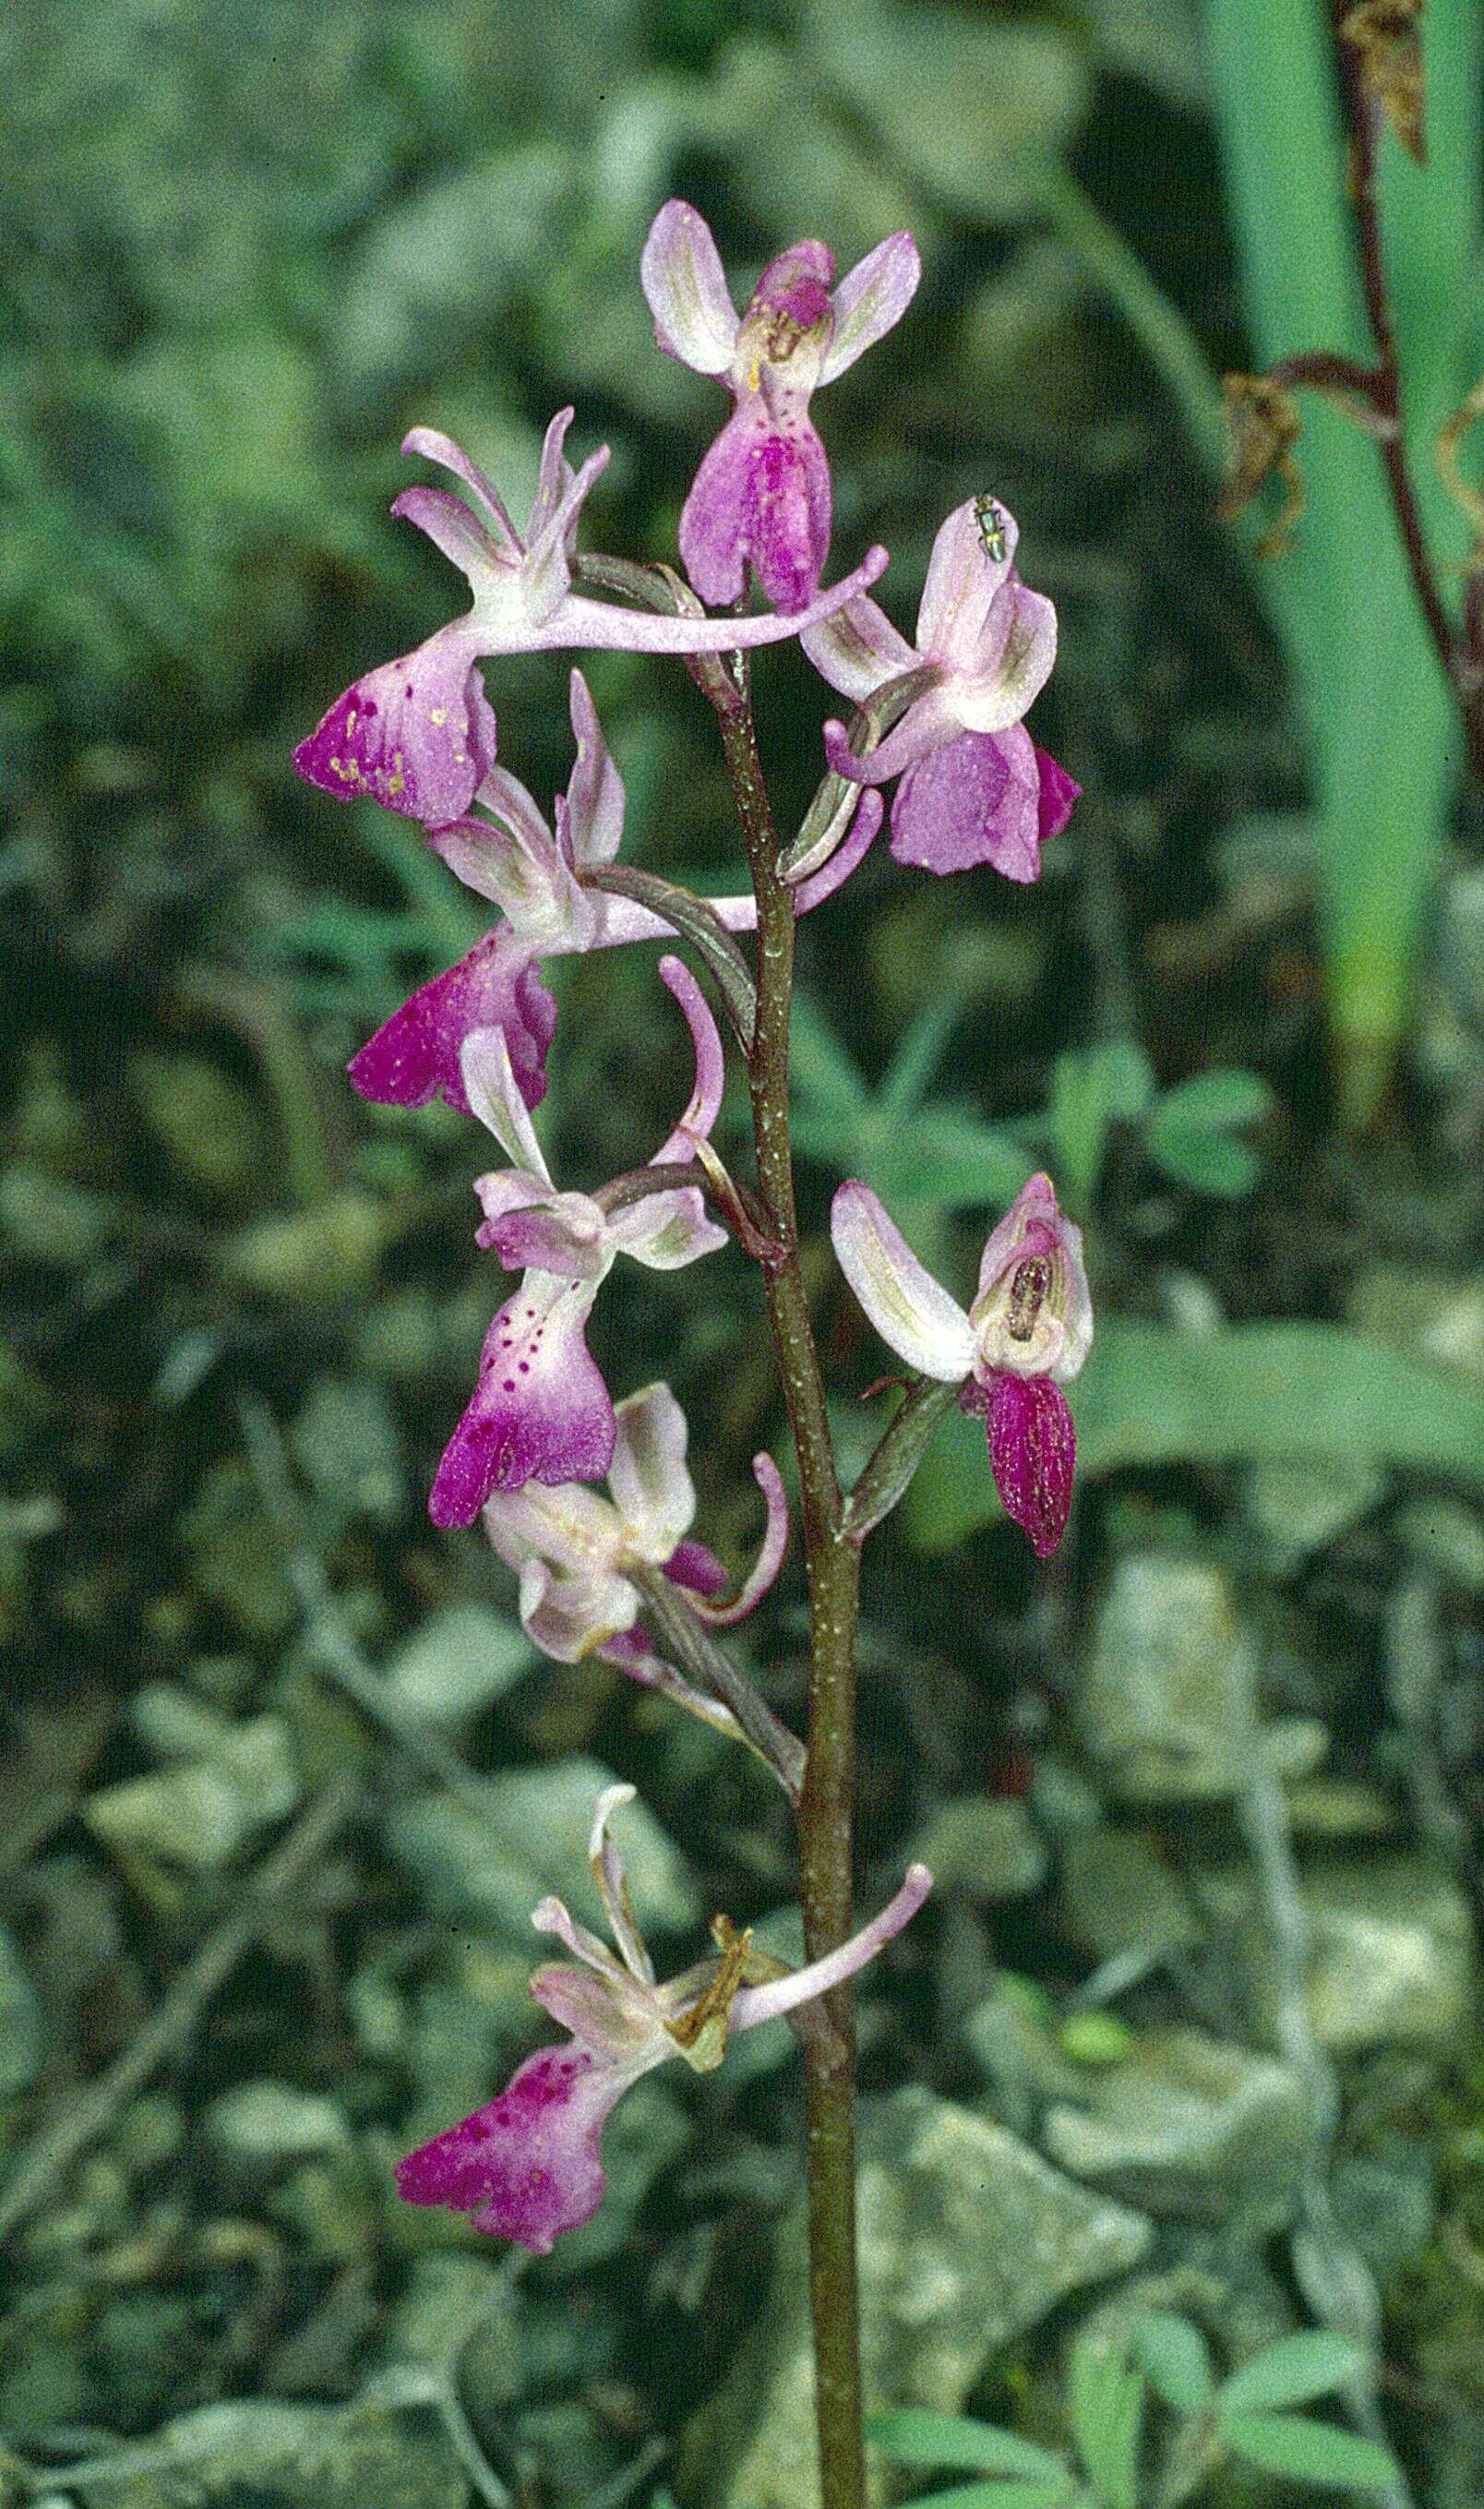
(763, 495)
(1025, 1336)
(529, 2165)
(540, 1410)
(415, 1055)
(975, 788)
(416, 734)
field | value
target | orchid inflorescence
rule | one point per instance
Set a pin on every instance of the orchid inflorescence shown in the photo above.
(618, 1576)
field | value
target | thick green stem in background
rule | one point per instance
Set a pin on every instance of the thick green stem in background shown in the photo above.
(827, 1808)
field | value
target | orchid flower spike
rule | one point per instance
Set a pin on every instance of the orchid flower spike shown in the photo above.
(1025, 1336)
(529, 2165)
(417, 734)
(540, 1410)
(763, 492)
(975, 788)
(574, 1552)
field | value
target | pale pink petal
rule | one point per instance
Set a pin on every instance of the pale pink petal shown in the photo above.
(556, 475)
(761, 495)
(432, 445)
(705, 1101)
(666, 1231)
(755, 2004)
(685, 290)
(572, 1528)
(871, 300)
(859, 649)
(552, 1915)
(971, 804)
(1036, 1225)
(613, 1883)
(929, 722)
(910, 1310)
(1032, 1225)
(595, 793)
(963, 582)
(541, 1410)
(415, 1055)
(1032, 1453)
(416, 736)
(451, 527)
(605, 627)
(1014, 661)
(763, 1572)
(592, 2006)
(562, 1233)
(571, 1617)
(529, 2165)
(650, 1485)
(491, 1091)
(546, 576)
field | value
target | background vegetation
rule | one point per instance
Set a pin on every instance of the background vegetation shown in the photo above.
(247, 1883)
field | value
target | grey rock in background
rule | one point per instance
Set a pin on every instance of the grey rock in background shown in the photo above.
(967, 2239)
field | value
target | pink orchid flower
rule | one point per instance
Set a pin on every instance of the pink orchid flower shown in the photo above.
(975, 788)
(417, 734)
(763, 492)
(533, 874)
(574, 1552)
(1025, 1336)
(529, 2165)
(540, 1410)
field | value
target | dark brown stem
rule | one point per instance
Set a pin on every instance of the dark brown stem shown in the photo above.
(1385, 386)
(827, 1807)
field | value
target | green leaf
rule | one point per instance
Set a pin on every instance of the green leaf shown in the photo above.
(1175, 2359)
(1091, 1089)
(944, 1159)
(918, 1056)
(1013, 2495)
(1251, 1394)
(1216, 1101)
(1313, 2364)
(819, 1065)
(1309, 2452)
(1208, 1162)
(1105, 2404)
(922, 2438)
(1059, 2495)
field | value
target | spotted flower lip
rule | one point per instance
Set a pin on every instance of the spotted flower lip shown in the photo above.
(574, 1552)
(1025, 1336)
(417, 734)
(540, 1410)
(975, 787)
(762, 494)
(529, 2165)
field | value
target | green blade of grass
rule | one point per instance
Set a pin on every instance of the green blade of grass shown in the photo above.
(1385, 741)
